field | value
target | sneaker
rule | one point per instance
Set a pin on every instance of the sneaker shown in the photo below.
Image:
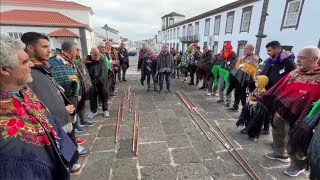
(293, 171)
(233, 109)
(124, 80)
(169, 91)
(185, 80)
(253, 139)
(244, 131)
(75, 168)
(273, 156)
(202, 88)
(216, 95)
(266, 132)
(79, 129)
(86, 124)
(220, 101)
(83, 152)
(209, 94)
(228, 105)
(91, 115)
(80, 141)
(106, 114)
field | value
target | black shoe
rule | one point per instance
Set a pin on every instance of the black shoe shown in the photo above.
(191, 84)
(142, 83)
(124, 80)
(202, 88)
(266, 132)
(220, 101)
(155, 89)
(233, 109)
(169, 91)
(228, 105)
(160, 91)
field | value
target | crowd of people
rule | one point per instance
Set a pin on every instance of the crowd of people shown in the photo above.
(43, 98)
(283, 90)
(43, 103)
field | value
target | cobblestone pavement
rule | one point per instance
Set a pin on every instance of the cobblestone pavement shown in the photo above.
(171, 145)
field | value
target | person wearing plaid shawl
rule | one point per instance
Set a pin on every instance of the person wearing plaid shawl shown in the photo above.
(290, 100)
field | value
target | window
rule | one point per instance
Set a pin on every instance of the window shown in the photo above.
(207, 27)
(177, 47)
(171, 34)
(15, 35)
(196, 28)
(168, 34)
(190, 30)
(174, 45)
(215, 47)
(171, 21)
(174, 33)
(246, 18)
(241, 45)
(229, 23)
(292, 14)
(286, 48)
(184, 31)
(217, 25)
(178, 33)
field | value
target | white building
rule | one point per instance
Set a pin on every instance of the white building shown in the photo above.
(248, 21)
(40, 16)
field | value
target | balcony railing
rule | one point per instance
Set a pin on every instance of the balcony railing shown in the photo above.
(188, 39)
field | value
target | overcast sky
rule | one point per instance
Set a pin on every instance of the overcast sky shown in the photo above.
(141, 19)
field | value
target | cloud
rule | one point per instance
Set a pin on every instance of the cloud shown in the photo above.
(141, 19)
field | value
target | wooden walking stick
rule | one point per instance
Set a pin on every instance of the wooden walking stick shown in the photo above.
(134, 131)
(138, 135)
(117, 126)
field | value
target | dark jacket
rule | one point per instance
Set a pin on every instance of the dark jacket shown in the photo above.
(85, 80)
(147, 67)
(47, 90)
(140, 58)
(98, 73)
(227, 64)
(164, 62)
(277, 68)
(123, 57)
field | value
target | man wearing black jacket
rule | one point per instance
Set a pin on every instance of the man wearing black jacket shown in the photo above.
(279, 64)
(98, 74)
(124, 61)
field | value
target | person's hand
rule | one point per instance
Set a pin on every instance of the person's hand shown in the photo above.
(79, 98)
(70, 109)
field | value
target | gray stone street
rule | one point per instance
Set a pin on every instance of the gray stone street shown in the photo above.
(171, 145)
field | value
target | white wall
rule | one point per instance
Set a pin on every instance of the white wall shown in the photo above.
(54, 43)
(307, 34)
(236, 34)
(82, 16)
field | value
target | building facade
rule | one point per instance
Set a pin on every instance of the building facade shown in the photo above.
(249, 21)
(45, 19)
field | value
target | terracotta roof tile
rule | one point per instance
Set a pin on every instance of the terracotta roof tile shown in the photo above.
(48, 3)
(63, 32)
(29, 17)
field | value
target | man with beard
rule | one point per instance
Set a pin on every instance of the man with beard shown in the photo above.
(45, 86)
(221, 71)
(97, 71)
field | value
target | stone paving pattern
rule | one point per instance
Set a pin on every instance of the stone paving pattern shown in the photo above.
(171, 145)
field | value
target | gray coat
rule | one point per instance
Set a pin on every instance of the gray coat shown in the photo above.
(164, 62)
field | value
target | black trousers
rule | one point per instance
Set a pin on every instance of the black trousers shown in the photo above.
(98, 91)
(240, 95)
(192, 69)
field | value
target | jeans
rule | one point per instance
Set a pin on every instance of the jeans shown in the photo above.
(165, 75)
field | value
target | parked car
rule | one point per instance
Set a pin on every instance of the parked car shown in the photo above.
(132, 53)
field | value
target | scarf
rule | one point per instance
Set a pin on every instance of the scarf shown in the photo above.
(262, 83)
(282, 56)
